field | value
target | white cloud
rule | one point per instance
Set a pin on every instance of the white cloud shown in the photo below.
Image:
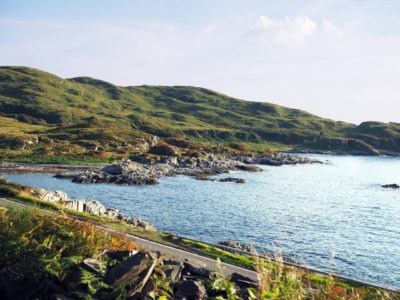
(286, 30)
(296, 29)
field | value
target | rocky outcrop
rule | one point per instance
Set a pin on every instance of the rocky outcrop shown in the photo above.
(93, 207)
(391, 186)
(278, 159)
(51, 196)
(227, 179)
(148, 171)
(235, 245)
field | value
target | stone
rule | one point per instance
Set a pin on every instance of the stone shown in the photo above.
(391, 186)
(52, 196)
(191, 290)
(92, 265)
(235, 245)
(77, 205)
(242, 281)
(175, 270)
(144, 277)
(231, 179)
(197, 270)
(113, 169)
(128, 270)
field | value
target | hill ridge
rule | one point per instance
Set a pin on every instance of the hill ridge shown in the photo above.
(93, 118)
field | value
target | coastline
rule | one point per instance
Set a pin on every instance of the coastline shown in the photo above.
(193, 181)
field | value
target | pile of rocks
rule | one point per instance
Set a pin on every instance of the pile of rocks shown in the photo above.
(93, 207)
(186, 280)
(234, 245)
(391, 186)
(133, 275)
(277, 159)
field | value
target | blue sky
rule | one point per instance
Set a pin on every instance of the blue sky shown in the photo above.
(335, 58)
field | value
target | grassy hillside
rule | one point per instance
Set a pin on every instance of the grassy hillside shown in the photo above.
(44, 117)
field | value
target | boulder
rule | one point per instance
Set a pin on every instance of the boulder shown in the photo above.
(191, 290)
(391, 186)
(128, 270)
(144, 277)
(52, 196)
(94, 207)
(231, 179)
(113, 169)
(92, 265)
(242, 281)
(77, 205)
(175, 270)
(235, 245)
(197, 270)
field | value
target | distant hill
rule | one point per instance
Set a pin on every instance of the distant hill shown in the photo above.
(46, 117)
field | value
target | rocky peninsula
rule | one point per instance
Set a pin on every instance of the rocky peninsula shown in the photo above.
(146, 172)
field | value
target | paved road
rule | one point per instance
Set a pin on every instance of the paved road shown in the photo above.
(174, 253)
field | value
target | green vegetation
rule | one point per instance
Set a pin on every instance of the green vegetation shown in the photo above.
(48, 119)
(40, 251)
(42, 255)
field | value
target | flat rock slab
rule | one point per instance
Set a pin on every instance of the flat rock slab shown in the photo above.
(242, 281)
(128, 270)
(197, 270)
(92, 265)
(191, 290)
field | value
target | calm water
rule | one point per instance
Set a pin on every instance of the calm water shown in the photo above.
(307, 211)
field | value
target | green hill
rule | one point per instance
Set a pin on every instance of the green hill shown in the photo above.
(44, 117)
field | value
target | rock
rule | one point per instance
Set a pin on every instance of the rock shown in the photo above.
(231, 179)
(235, 245)
(96, 208)
(150, 169)
(175, 271)
(139, 284)
(113, 169)
(242, 281)
(197, 270)
(391, 186)
(52, 196)
(128, 270)
(191, 290)
(249, 168)
(92, 265)
(77, 205)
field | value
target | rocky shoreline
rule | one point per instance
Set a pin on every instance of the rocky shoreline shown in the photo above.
(130, 172)
(92, 207)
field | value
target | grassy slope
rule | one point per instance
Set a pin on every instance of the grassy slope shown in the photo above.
(86, 117)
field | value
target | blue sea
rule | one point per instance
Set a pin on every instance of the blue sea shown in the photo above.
(310, 212)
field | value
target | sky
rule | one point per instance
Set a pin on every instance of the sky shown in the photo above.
(338, 59)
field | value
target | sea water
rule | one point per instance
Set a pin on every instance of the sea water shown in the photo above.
(311, 212)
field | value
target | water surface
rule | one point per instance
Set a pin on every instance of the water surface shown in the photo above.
(307, 211)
